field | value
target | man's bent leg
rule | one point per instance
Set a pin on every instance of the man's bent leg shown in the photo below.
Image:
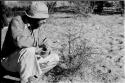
(28, 64)
(10, 63)
(49, 62)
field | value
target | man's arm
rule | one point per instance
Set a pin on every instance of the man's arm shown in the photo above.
(21, 35)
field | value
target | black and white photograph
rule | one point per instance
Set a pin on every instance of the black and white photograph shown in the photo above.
(63, 41)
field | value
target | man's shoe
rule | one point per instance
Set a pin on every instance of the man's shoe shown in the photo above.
(35, 79)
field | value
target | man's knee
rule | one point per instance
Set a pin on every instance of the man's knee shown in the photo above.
(52, 60)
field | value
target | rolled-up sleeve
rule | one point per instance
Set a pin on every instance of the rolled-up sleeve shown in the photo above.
(21, 35)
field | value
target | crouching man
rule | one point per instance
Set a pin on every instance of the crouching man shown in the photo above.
(22, 51)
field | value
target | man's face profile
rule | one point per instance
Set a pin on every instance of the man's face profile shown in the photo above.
(35, 23)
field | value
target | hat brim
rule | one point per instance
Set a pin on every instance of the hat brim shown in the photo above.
(38, 15)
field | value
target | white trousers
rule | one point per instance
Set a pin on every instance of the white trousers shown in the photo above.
(27, 64)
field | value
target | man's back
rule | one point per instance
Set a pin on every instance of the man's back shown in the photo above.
(9, 45)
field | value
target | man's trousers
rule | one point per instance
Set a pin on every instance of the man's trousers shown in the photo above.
(26, 63)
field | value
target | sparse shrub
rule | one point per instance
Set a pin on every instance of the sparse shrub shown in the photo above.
(82, 60)
(76, 54)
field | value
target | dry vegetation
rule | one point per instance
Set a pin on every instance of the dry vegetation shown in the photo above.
(93, 48)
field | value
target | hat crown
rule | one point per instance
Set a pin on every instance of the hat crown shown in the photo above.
(38, 10)
(38, 7)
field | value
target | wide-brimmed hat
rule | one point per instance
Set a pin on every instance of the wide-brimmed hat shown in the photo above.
(37, 10)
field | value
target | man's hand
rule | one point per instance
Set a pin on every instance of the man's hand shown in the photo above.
(40, 51)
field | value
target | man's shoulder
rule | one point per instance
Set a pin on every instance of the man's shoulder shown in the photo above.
(16, 23)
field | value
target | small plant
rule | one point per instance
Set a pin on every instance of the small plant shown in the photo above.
(75, 52)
